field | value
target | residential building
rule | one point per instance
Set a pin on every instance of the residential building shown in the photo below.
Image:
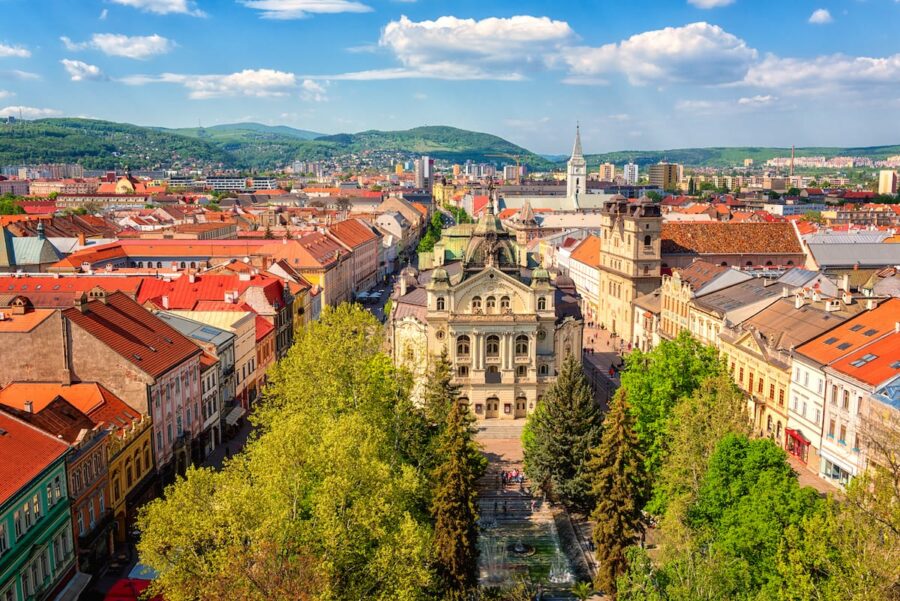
(584, 269)
(738, 245)
(359, 239)
(607, 172)
(680, 288)
(646, 327)
(887, 181)
(86, 466)
(761, 349)
(664, 175)
(37, 552)
(321, 260)
(630, 173)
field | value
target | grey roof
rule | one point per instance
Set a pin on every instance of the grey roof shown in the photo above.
(413, 304)
(197, 330)
(740, 295)
(31, 250)
(797, 277)
(863, 254)
(857, 237)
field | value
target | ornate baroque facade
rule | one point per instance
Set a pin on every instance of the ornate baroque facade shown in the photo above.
(506, 328)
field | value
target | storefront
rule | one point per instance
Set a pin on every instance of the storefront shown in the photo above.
(797, 444)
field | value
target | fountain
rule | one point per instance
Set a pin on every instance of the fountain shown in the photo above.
(494, 559)
(559, 570)
(520, 549)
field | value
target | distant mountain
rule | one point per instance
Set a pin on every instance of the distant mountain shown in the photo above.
(103, 144)
(237, 129)
(732, 156)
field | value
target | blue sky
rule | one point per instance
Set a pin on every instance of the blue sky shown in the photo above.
(641, 74)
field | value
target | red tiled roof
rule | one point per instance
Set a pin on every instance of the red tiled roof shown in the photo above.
(588, 252)
(25, 452)
(184, 294)
(875, 371)
(143, 339)
(729, 238)
(263, 328)
(700, 273)
(352, 233)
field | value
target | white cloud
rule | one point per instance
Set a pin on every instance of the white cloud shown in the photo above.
(103, 14)
(758, 100)
(81, 71)
(164, 7)
(28, 112)
(492, 48)
(258, 83)
(299, 9)
(6, 94)
(697, 53)
(138, 47)
(820, 16)
(17, 51)
(312, 91)
(453, 73)
(823, 73)
(420, 96)
(705, 4)
(620, 117)
(19, 74)
(698, 106)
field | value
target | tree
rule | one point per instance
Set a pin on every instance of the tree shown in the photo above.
(619, 486)
(9, 205)
(654, 195)
(454, 505)
(327, 499)
(656, 381)
(692, 189)
(814, 216)
(268, 233)
(697, 424)
(793, 191)
(560, 435)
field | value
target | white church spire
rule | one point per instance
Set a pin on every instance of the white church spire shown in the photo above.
(576, 171)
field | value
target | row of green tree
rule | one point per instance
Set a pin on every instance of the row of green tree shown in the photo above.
(733, 522)
(347, 490)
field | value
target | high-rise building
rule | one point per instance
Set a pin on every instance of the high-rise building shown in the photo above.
(664, 175)
(419, 170)
(631, 174)
(887, 182)
(511, 173)
(456, 170)
(398, 168)
(576, 170)
(607, 172)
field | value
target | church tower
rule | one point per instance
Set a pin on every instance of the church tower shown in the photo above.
(576, 171)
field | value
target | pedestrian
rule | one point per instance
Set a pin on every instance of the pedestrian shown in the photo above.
(504, 507)
(532, 505)
(495, 507)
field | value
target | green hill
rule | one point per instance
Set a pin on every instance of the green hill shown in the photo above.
(732, 156)
(103, 144)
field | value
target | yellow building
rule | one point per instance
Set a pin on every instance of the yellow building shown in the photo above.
(398, 168)
(130, 468)
(630, 261)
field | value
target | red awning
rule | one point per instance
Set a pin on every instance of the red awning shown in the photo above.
(797, 435)
(128, 589)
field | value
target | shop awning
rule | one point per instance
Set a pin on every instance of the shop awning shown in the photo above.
(74, 588)
(797, 435)
(234, 415)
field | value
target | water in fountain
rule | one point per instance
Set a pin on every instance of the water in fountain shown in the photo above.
(494, 559)
(559, 570)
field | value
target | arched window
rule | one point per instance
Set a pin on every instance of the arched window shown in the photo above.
(542, 304)
(648, 240)
(646, 269)
(768, 263)
(476, 303)
(492, 346)
(521, 346)
(543, 370)
(463, 371)
(183, 265)
(769, 424)
(159, 264)
(521, 371)
(724, 263)
(490, 304)
(440, 303)
(778, 432)
(462, 346)
(790, 262)
(193, 265)
(504, 303)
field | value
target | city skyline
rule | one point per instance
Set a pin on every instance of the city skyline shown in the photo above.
(653, 76)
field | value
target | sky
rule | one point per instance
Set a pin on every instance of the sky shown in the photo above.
(635, 74)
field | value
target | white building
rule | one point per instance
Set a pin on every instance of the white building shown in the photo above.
(631, 174)
(576, 171)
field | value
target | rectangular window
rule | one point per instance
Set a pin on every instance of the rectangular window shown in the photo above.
(159, 441)
(26, 511)
(846, 403)
(102, 502)
(80, 522)
(806, 379)
(4, 543)
(818, 416)
(57, 550)
(36, 504)
(45, 563)
(804, 409)
(781, 397)
(831, 429)
(17, 520)
(49, 494)
(843, 438)
(57, 488)
(834, 394)
(771, 391)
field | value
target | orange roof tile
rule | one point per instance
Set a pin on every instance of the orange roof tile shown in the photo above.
(875, 363)
(853, 334)
(25, 452)
(23, 323)
(588, 252)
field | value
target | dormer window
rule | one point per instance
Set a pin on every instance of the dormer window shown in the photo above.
(441, 303)
(542, 304)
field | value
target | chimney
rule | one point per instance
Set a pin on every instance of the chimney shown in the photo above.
(402, 285)
(870, 304)
(845, 282)
(897, 327)
(82, 242)
(192, 277)
(29, 407)
(165, 302)
(81, 302)
(847, 298)
(784, 292)
(798, 301)
(244, 277)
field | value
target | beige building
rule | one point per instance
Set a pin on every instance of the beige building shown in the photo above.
(665, 175)
(887, 182)
(607, 172)
(630, 261)
(506, 328)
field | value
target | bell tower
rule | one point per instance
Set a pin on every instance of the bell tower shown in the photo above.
(576, 170)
